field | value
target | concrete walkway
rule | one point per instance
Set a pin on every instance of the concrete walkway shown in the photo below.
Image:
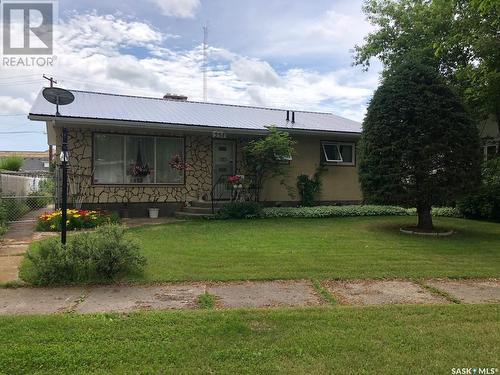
(125, 298)
(15, 242)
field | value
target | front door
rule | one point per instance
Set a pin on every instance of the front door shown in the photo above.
(224, 151)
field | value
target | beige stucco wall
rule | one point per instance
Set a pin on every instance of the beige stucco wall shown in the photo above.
(339, 183)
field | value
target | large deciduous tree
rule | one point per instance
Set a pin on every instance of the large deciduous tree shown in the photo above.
(419, 146)
(461, 38)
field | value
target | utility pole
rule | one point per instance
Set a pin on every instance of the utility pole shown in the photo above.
(50, 79)
(205, 41)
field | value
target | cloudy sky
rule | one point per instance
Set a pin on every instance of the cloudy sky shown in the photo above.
(275, 53)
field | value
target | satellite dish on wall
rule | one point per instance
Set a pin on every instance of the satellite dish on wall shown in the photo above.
(58, 96)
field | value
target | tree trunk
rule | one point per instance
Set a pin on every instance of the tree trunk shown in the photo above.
(424, 217)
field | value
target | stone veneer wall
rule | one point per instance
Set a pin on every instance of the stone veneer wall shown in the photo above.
(198, 153)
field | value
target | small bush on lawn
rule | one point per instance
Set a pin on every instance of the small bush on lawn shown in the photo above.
(87, 257)
(335, 211)
(76, 219)
(240, 210)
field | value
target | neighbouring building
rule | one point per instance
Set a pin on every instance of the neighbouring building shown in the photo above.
(34, 161)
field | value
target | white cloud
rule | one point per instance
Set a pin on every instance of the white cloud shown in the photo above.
(331, 33)
(178, 8)
(256, 71)
(13, 106)
(106, 33)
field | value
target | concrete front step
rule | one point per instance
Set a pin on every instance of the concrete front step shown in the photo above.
(200, 210)
(208, 204)
(191, 215)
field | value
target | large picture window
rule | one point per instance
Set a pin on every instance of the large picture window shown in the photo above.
(338, 153)
(132, 159)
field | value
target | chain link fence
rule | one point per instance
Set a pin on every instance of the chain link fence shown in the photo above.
(25, 195)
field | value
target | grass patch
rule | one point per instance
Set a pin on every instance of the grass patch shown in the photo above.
(388, 340)
(326, 248)
(323, 292)
(13, 284)
(288, 248)
(206, 301)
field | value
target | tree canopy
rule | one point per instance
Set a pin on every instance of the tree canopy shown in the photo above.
(461, 38)
(419, 146)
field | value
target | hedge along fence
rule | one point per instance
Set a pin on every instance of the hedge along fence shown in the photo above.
(352, 210)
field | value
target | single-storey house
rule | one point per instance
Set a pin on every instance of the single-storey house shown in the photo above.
(130, 150)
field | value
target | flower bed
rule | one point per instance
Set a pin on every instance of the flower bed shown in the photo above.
(76, 219)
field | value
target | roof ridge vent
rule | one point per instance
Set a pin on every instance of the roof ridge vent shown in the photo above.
(176, 97)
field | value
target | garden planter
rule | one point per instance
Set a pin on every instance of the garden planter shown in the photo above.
(153, 212)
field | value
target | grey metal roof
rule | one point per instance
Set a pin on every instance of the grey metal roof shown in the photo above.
(102, 106)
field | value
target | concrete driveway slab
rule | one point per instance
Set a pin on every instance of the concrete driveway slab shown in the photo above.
(377, 292)
(265, 293)
(38, 300)
(123, 298)
(470, 291)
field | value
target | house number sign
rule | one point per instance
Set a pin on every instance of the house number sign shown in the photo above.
(217, 134)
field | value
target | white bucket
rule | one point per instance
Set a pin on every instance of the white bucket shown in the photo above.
(153, 212)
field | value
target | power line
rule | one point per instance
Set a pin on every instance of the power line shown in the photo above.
(18, 83)
(17, 114)
(20, 76)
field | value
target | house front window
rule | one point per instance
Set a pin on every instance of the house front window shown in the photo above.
(132, 159)
(338, 153)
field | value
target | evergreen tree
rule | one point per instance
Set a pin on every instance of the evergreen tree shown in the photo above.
(419, 146)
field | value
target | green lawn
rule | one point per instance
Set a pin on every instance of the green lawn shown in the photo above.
(368, 247)
(357, 340)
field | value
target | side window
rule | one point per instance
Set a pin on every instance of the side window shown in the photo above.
(338, 153)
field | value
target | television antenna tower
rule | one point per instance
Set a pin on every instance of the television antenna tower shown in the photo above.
(205, 42)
